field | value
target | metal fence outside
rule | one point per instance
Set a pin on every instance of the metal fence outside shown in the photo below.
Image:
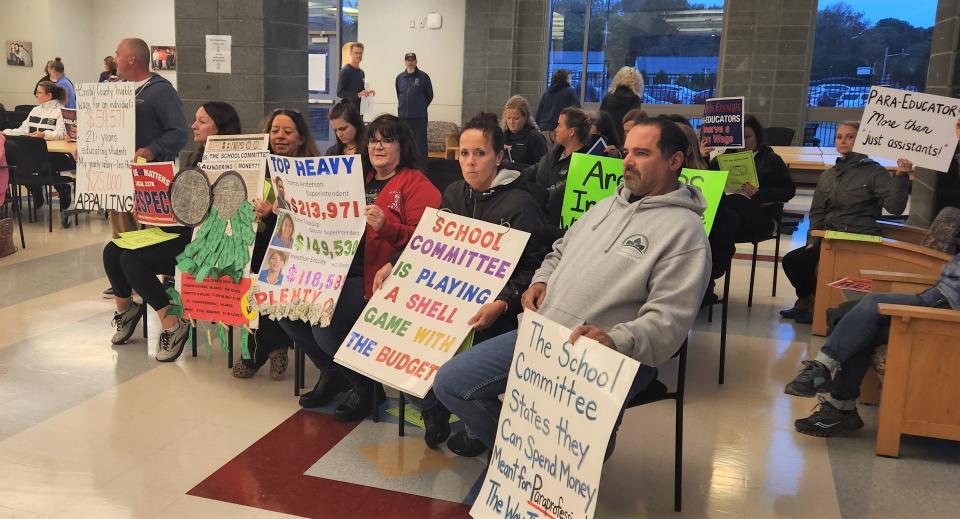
(659, 88)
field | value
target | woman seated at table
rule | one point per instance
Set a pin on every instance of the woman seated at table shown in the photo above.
(849, 197)
(347, 124)
(497, 196)
(524, 143)
(138, 269)
(397, 193)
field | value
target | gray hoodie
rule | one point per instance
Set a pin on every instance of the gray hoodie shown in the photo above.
(636, 270)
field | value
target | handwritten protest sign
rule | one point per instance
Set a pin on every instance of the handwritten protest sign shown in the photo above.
(216, 300)
(711, 184)
(900, 124)
(722, 123)
(316, 236)
(245, 154)
(590, 179)
(451, 267)
(105, 145)
(151, 186)
(741, 168)
(559, 409)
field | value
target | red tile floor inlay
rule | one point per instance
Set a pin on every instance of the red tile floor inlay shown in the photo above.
(270, 475)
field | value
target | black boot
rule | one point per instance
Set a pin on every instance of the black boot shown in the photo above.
(359, 403)
(330, 384)
(462, 444)
(436, 421)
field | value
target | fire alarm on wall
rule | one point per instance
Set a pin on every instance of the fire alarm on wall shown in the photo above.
(434, 21)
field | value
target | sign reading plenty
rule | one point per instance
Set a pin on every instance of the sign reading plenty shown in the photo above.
(561, 404)
(590, 178)
(909, 125)
(318, 231)
(451, 267)
(106, 122)
(151, 185)
(722, 123)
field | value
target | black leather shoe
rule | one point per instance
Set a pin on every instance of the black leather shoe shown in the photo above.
(436, 421)
(462, 444)
(330, 384)
(359, 403)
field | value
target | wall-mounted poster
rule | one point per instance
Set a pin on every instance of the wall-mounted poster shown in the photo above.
(19, 53)
(163, 58)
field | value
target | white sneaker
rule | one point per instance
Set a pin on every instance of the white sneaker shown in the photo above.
(126, 322)
(172, 342)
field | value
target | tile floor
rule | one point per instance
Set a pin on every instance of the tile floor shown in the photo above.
(93, 430)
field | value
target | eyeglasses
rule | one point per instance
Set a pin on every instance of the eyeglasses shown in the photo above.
(382, 143)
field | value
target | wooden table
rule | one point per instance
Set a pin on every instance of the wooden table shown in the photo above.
(61, 146)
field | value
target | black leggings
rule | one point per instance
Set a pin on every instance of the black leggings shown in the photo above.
(800, 266)
(138, 269)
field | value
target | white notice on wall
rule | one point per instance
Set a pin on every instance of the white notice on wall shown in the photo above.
(219, 53)
(317, 70)
(106, 126)
(911, 125)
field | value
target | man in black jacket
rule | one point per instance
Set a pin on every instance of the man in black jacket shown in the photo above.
(414, 94)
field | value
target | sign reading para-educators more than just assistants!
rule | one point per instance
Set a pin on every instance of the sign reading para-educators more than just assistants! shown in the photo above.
(106, 123)
(318, 231)
(722, 123)
(910, 125)
(561, 404)
(590, 178)
(451, 267)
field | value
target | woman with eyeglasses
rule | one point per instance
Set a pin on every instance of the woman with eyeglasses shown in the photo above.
(289, 136)
(397, 194)
(347, 124)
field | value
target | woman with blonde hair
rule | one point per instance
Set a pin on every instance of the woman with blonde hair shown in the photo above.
(525, 144)
(624, 94)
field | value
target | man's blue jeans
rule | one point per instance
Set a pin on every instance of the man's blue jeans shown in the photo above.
(860, 332)
(469, 384)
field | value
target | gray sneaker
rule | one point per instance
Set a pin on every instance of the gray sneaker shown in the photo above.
(172, 342)
(126, 322)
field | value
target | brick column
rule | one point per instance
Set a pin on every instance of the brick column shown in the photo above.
(765, 55)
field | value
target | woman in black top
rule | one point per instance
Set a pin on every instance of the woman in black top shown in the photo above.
(559, 95)
(624, 95)
(347, 124)
(525, 144)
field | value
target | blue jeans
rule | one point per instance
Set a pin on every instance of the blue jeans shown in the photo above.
(861, 331)
(469, 384)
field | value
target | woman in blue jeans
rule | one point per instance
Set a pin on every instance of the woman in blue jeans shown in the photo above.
(842, 362)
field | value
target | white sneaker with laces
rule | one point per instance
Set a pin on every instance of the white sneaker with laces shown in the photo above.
(172, 342)
(126, 322)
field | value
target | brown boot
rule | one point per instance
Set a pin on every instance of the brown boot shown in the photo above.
(278, 364)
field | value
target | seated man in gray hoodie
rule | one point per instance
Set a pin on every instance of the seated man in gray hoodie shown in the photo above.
(649, 263)
(842, 362)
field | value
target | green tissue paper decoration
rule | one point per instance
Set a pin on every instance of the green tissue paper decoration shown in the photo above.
(222, 336)
(213, 253)
(244, 343)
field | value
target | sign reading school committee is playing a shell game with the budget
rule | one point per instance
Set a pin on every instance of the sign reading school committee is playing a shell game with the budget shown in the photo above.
(451, 267)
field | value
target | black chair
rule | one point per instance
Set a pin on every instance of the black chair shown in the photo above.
(14, 202)
(443, 172)
(656, 392)
(724, 306)
(15, 118)
(777, 208)
(778, 136)
(33, 169)
(24, 108)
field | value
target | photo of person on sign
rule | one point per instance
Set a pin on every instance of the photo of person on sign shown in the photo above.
(273, 273)
(284, 236)
(281, 194)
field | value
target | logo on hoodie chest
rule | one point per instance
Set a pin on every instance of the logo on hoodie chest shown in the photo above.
(634, 246)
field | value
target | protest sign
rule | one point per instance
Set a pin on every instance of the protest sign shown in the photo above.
(722, 123)
(316, 236)
(151, 193)
(245, 154)
(561, 404)
(69, 123)
(451, 267)
(711, 184)
(105, 145)
(216, 300)
(590, 178)
(911, 125)
(741, 168)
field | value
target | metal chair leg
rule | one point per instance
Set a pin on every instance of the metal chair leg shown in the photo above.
(678, 457)
(19, 208)
(303, 368)
(723, 323)
(753, 272)
(297, 366)
(50, 208)
(403, 411)
(193, 341)
(776, 263)
(229, 347)
(145, 319)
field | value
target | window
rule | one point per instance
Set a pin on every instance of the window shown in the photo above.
(675, 44)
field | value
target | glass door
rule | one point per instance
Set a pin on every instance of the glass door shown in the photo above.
(323, 65)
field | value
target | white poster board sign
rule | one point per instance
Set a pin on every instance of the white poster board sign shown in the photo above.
(911, 125)
(106, 131)
(318, 231)
(245, 154)
(451, 267)
(559, 409)
(219, 53)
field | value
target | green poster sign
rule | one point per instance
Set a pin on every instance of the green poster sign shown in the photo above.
(742, 169)
(591, 178)
(711, 184)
